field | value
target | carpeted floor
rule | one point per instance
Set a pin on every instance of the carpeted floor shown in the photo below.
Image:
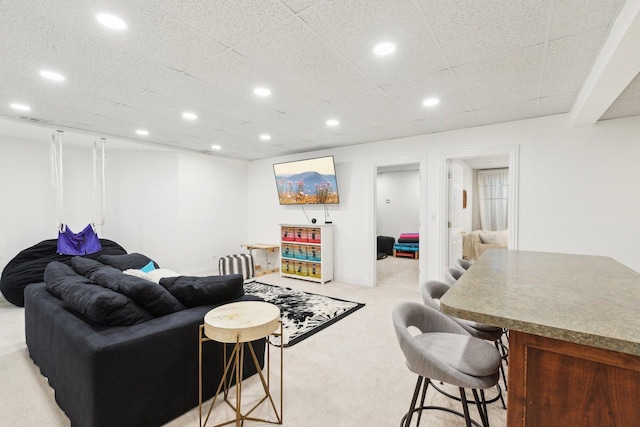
(350, 374)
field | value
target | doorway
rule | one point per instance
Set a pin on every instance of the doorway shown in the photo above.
(397, 211)
(460, 198)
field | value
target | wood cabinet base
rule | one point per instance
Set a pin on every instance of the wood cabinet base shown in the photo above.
(557, 383)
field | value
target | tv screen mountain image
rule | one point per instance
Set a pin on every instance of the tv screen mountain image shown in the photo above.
(310, 181)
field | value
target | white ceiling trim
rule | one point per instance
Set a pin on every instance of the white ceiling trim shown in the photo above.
(616, 66)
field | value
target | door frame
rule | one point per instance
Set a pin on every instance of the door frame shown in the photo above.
(422, 212)
(513, 152)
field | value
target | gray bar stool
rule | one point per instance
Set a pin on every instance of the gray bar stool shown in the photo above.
(444, 351)
(451, 275)
(433, 290)
(463, 264)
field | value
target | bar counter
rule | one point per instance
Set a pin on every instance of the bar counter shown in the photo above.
(574, 322)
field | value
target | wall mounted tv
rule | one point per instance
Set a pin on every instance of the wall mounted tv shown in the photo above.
(307, 182)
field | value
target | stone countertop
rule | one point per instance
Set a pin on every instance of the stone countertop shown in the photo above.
(589, 300)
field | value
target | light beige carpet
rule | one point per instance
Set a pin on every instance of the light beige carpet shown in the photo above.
(350, 374)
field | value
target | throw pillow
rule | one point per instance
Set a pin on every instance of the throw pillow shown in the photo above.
(149, 267)
(126, 261)
(196, 291)
(489, 238)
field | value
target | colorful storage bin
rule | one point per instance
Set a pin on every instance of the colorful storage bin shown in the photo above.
(302, 268)
(314, 235)
(301, 234)
(315, 269)
(288, 266)
(288, 250)
(314, 253)
(300, 252)
(288, 234)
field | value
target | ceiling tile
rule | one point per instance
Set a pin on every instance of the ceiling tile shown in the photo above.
(508, 78)
(442, 85)
(445, 122)
(228, 21)
(374, 109)
(354, 30)
(295, 54)
(569, 62)
(231, 74)
(556, 104)
(298, 5)
(507, 113)
(572, 17)
(469, 31)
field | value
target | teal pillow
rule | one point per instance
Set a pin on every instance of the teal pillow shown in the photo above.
(149, 267)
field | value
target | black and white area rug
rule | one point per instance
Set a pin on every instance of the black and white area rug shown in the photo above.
(303, 313)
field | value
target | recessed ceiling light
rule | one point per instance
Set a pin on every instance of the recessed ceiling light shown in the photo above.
(142, 132)
(385, 48)
(21, 107)
(52, 75)
(262, 91)
(216, 147)
(265, 137)
(189, 116)
(111, 21)
(332, 122)
(430, 102)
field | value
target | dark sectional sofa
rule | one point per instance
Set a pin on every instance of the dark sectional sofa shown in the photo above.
(141, 374)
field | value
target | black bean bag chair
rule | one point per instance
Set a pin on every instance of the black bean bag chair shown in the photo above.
(28, 266)
(385, 246)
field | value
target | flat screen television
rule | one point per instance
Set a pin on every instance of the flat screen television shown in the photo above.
(307, 182)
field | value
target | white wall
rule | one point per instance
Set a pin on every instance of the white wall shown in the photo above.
(576, 195)
(401, 214)
(179, 208)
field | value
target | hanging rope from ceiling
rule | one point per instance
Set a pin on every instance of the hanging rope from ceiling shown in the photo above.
(86, 241)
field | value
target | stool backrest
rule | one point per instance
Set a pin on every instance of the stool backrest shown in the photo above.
(432, 291)
(451, 275)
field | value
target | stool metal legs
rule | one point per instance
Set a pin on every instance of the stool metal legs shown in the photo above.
(424, 384)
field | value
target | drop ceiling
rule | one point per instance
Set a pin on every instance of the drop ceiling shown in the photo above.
(487, 61)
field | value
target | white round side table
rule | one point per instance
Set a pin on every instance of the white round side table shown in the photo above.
(240, 323)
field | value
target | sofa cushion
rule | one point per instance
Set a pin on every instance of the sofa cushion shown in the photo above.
(126, 261)
(489, 238)
(195, 291)
(503, 236)
(98, 304)
(149, 295)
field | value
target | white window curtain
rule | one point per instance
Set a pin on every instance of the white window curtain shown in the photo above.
(493, 198)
